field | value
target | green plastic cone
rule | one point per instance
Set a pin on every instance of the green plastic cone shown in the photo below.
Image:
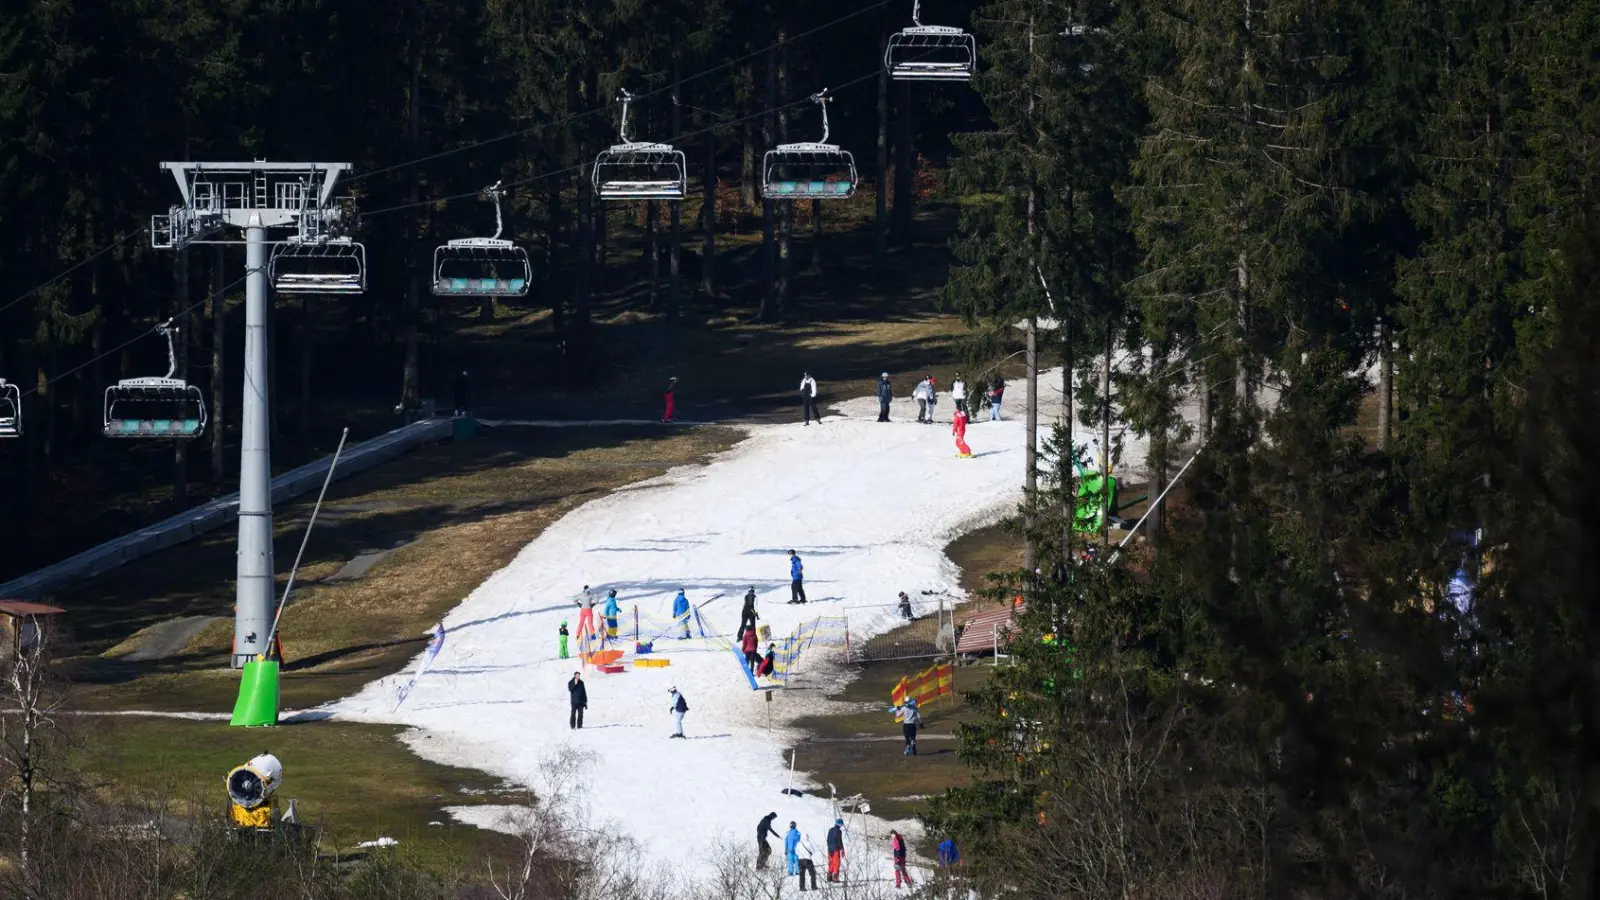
(258, 695)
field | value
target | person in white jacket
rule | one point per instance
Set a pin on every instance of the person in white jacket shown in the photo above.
(958, 393)
(920, 394)
(808, 398)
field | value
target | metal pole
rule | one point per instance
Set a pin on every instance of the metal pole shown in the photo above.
(254, 601)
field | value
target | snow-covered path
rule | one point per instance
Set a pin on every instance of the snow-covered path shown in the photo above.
(868, 506)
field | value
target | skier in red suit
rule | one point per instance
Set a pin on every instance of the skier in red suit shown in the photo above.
(672, 387)
(958, 427)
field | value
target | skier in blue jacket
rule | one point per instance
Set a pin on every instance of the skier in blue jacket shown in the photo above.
(791, 841)
(885, 394)
(680, 611)
(797, 589)
(611, 610)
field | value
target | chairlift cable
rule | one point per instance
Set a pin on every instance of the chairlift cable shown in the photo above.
(119, 241)
(572, 117)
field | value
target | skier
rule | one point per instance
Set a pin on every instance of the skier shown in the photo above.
(958, 427)
(807, 867)
(905, 606)
(680, 611)
(947, 853)
(835, 849)
(808, 398)
(791, 843)
(747, 616)
(920, 394)
(995, 393)
(885, 394)
(579, 692)
(672, 386)
(769, 663)
(797, 570)
(562, 634)
(585, 601)
(933, 398)
(897, 846)
(678, 708)
(748, 645)
(763, 831)
(611, 611)
(910, 718)
(958, 393)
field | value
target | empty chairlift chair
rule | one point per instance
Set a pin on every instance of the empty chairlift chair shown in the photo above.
(10, 410)
(930, 52)
(482, 267)
(164, 407)
(638, 170)
(319, 265)
(819, 171)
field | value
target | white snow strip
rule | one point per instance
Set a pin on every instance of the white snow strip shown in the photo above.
(870, 508)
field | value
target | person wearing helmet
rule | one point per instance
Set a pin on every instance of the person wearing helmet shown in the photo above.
(885, 394)
(909, 718)
(562, 634)
(835, 849)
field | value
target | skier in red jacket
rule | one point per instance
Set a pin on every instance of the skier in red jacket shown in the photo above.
(958, 427)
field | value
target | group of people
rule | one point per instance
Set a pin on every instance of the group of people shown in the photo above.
(926, 393)
(797, 853)
(586, 623)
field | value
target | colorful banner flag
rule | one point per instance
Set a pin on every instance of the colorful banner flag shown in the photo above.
(434, 646)
(925, 686)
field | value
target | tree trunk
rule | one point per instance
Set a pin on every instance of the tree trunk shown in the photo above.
(749, 172)
(409, 393)
(903, 166)
(769, 250)
(600, 242)
(652, 252)
(675, 213)
(880, 202)
(786, 207)
(1030, 482)
(1105, 437)
(308, 340)
(708, 210)
(1385, 387)
(180, 449)
(219, 381)
(816, 239)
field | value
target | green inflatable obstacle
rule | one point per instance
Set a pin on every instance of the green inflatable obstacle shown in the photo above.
(1088, 515)
(258, 695)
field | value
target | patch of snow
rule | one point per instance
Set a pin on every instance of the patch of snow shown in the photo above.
(380, 842)
(869, 506)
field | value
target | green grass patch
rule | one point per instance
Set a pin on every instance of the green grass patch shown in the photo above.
(355, 782)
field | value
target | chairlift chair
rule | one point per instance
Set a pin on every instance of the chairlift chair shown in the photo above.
(639, 170)
(10, 410)
(320, 265)
(163, 407)
(809, 171)
(930, 52)
(482, 267)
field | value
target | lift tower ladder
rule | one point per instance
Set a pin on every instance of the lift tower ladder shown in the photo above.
(295, 200)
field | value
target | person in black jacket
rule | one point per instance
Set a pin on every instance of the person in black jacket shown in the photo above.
(885, 394)
(748, 617)
(580, 700)
(764, 831)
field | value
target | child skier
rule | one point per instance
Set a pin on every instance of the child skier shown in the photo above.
(680, 611)
(996, 393)
(958, 427)
(769, 663)
(910, 718)
(672, 386)
(562, 633)
(611, 611)
(958, 393)
(678, 708)
(897, 847)
(905, 606)
(835, 849)
(585, 602)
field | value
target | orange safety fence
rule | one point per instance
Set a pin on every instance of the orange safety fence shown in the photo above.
(925, 686)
